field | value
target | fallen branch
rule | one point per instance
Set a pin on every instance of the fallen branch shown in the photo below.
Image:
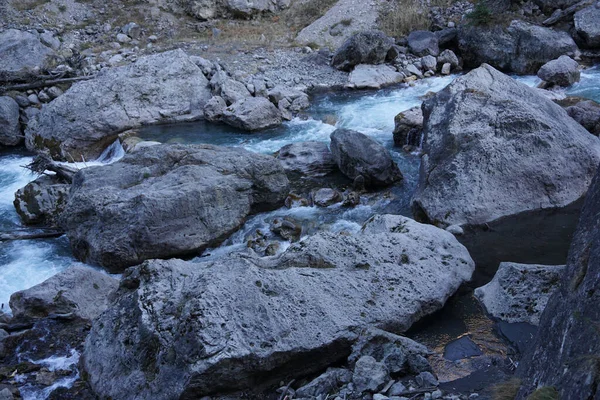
(42, 163)
(28, 235)
(45, 82)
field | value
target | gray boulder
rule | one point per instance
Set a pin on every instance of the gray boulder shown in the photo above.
(24, 56)
(494, 148)
(10, 128)
(210, 9)
(373, 76)
(295, 100)
(564, 352)
(587, 113)
(307, 159)
(369, 375)
(587, 26)
(520, 292)
(564, 71)
(167, 201)
(549, 5)
(408, 127)
(358, 155)
(326, 196)
(326, 383)
(159, 88)
(42, 201)
(78, 291)
(370, 47)
(227, 88)
(448, 56)
(423, 43)
(252, 114)
(244, 321)
(214, 109)
(521, 47)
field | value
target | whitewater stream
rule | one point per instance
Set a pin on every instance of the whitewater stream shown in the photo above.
(25, 263)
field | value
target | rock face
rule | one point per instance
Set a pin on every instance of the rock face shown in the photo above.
(42, 201)
(566, 347)
(587, 26)
(564, 71)
(167, 201)
(78, 291)
(10, 128)
(209, 9)
(423, 43)
(520, 292)
(370, 47)
(158, 88)
(521, 47)
(184, 330)
(494, 148)
(373, 76)
(408, 127)
(358, 155)
(307, 158)
(587, 113)
(252, 114)
(22, 55)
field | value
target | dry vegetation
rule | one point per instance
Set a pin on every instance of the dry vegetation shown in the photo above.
(506, 390)
(401, 17)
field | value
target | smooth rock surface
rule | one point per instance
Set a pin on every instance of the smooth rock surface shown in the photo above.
(252, 114)
(167, 201)
(564, 71)
(358, 155)
(22, 55)
(164, 87)
(42, 201)
(77, 291)
(10, 128)
(496, 148)
(184, 330)
(370, 47)
(520, 292)
(373, 76)
(307, 158)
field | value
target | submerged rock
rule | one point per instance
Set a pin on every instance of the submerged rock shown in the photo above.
(158, 88)
(76, 292)
(184, 330)
(167, 201)
(519, 292)
(10, 128)
(24, 56)
(486, 160)
(521, 47)
(564, 71)
(370, 47)
(42, 201)
(358, 155)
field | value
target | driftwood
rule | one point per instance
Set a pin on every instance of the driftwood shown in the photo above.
(43, 81)
(42, 163)
(30, 234)
(559, 15)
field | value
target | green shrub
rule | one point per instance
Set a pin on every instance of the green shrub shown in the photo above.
(481, 14)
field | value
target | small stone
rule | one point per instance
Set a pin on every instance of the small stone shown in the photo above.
(426, 379)
(115, 60)
(451, 24)
(22, 101)
(33, 99)
(429, 63)
(54, 92)
(123, 38)
(369, 375)
(436, 395)
(396, 389)
(446, 68)
(152, 38)
(456, 230)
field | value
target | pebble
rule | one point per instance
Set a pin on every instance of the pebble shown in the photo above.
(33, 99)
(436, 395)
(123, 38)
(44, 97)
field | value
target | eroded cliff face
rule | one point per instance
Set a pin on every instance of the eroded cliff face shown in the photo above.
(566, 351)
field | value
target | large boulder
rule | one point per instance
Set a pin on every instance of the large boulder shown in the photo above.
(252, 114)
(408, 127)
(564, 355)
(10, 128)
(564, 71)
(156, 89)
(521, 47)
(357, 155)
(23, 56)
(227, 88)
(423, 43)
(184, 330)
(520, 292)
(42, 201)
(587, 26)
(167, 201)
(210, 9)
(373, 76)
(370, 47)
(496, 148)
(78, 292)
(587, 113)
(307, 158)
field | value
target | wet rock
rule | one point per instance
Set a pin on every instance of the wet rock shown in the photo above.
(369, 375)
(359, 155)
(10, 129)
(167, 201)
(481, 155)
(23, 55)
(279, 301)
(307, 158)
(520, 292)
(326, 197)
(160, 88)
(326, 383)
(399, 354)
(79, 291)
(288, 228)
(563, 71)
(587, 113)
(42, 201)
(214, 109)
(423, 43)
(566, 346)
(373, 76)
(521, 47)
(252, 114)
(408, 127)
(587, 26)
(370, 47)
